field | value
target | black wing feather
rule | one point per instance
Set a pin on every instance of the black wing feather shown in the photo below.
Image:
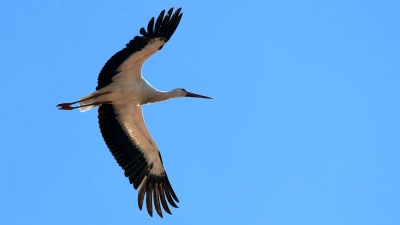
(164, 24)
(133, 162)
(150, 28)
(158, 22)
(143, 32)
(164, 27)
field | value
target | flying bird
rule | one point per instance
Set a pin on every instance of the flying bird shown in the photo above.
(120, 93)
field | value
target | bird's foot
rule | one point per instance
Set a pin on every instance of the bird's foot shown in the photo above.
(65, 106)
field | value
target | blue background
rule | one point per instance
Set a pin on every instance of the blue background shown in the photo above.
(304, 126)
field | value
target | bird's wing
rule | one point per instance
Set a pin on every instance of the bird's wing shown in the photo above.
(129, 141)
(126, 65)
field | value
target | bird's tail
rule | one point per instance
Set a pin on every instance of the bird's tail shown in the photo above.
(87, 102)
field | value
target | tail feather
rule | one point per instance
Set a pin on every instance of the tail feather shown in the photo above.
(86, 108)
(85, 105)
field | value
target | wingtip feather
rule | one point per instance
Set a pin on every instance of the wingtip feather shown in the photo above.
(149, 204)
(141, 193)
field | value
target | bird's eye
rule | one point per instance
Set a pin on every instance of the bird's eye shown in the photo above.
(184, 90)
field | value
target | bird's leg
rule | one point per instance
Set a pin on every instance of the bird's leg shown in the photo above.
(67, 106)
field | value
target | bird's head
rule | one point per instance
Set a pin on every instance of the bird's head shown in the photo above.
(180, 92)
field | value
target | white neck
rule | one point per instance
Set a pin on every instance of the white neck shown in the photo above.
(159, 96)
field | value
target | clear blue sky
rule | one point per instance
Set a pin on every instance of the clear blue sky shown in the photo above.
(304, 126)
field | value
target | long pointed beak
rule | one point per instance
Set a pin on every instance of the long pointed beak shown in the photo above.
(189, 94)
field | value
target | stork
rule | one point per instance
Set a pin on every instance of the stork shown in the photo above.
(120, 93)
